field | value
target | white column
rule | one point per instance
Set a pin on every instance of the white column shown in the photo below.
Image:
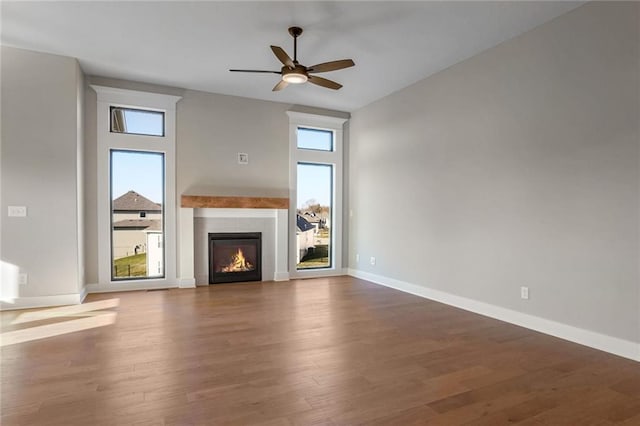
(281, 246)
(185, 249)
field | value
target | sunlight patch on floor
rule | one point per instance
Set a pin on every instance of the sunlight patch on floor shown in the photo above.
(92, 316)
(84, 309)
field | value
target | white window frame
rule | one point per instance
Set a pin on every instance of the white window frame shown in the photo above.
(108, 141)
(334, 158)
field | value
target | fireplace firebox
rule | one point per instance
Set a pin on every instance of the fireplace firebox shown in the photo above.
(235, 257)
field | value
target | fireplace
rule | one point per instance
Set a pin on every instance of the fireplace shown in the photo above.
(235, 257)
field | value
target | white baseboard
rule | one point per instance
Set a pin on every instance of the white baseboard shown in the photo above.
(317, 273)
(129, 286)
(187, 282)
(83, 293)
(43, 301)
(281, 276)
(603, 342)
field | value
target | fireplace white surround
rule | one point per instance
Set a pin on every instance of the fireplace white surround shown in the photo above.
(196, 223)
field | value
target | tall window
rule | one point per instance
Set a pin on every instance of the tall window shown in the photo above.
(313, 215)
(316, 176)
(137, 220)
(136, 189)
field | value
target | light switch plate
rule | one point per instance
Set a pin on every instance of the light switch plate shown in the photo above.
(243, 158)
(17, 211)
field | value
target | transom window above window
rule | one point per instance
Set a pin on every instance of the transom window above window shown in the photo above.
(315, 139)
(137, 121)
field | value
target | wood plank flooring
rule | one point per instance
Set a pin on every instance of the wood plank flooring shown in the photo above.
(336, 351)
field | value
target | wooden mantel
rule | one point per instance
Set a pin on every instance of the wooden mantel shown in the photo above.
(223, 202)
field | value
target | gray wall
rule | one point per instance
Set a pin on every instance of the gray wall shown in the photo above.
(80, 172)
(210, 131)
(41, 134)
(517, 167)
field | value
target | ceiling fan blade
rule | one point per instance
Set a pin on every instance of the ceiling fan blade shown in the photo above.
(260, 71)
(331, 66)
(324, 82)
(282, 56)
(281, 85)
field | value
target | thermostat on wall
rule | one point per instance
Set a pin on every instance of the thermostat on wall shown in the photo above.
(243, 158)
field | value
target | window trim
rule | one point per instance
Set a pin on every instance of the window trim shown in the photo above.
(107, 141)
(311, 156)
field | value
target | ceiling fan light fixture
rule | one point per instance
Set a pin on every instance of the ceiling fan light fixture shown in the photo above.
(295, 78)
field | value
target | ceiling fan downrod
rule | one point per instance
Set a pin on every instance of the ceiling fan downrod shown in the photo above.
(295, 33)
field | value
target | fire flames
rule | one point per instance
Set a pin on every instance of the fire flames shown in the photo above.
(238, 263)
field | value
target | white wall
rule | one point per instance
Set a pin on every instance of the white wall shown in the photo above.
(42, 136)
(517, 167)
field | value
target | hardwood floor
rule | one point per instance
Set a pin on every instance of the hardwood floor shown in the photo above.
(336, 351)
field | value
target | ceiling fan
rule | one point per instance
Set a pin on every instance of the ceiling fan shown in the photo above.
(293, 72)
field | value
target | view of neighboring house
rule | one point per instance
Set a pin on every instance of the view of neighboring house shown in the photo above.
(137, 229)
(305, 232)
(318, 220)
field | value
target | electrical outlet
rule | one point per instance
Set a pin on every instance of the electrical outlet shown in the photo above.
(372, 260)
(22, 279)
(357, 258)
(524, 292)
(17, 211)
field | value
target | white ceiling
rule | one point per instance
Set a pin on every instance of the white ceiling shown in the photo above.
(193, 44)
